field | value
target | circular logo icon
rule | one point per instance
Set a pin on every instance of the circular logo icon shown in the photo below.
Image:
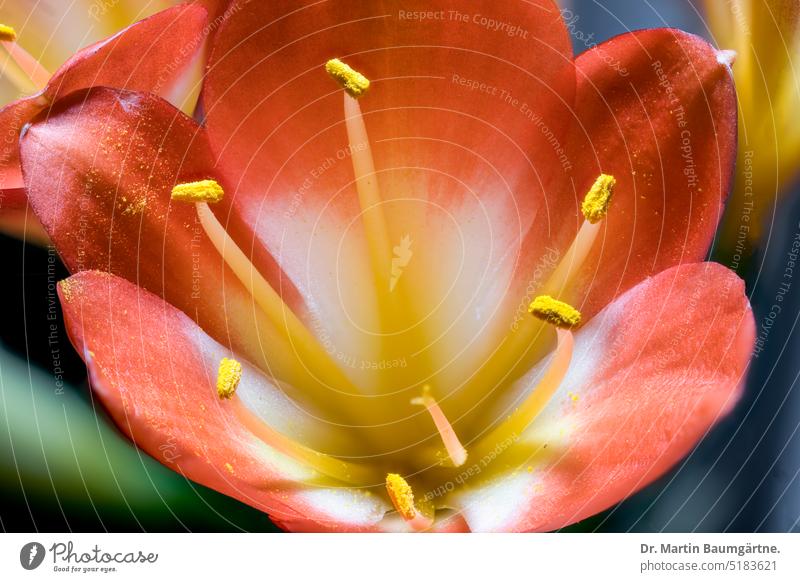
(31, 555)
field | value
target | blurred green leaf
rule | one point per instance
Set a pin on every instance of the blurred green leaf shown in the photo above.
(56, 449)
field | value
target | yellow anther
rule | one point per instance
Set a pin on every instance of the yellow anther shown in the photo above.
(401, 495)
(228, 376)
(7, 34)
(351, 80)
(555, 312)
(595, 205)
(202, 191)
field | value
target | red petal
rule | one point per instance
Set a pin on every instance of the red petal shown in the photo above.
(645, 100)
(217, 8)
(13, 117)
(99, 170)
(274, 114)
(155, 371)
(650, 375)
(143, 57)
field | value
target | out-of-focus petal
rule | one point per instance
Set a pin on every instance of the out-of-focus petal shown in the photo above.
(52, 30)
(766, 37)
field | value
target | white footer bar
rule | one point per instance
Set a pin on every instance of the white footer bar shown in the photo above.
(401, 557)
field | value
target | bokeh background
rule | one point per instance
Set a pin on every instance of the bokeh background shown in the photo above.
(64, 467)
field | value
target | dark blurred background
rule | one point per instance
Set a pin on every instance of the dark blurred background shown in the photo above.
(64, 467)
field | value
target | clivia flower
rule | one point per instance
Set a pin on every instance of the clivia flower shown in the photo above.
(405, 270)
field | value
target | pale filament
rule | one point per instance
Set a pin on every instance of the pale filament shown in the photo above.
(312, 354)
(519, 420)
(455, 450)
(369, 195)
(421, 522)
(519, 341)
(392, 305)
(573, 260)
(35, 76)
(559, 281)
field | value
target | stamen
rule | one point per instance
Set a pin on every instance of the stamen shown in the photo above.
(573, 259)
(369, 195)
(353, 82)
(595, 204)
(595, 208)
(202, 191)
(7, 33)
(555, 312)
(34, 76)
(402, 497)
(519, 420)
(518, 348)
(228, 377)
(314, 356)
(455, 450)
